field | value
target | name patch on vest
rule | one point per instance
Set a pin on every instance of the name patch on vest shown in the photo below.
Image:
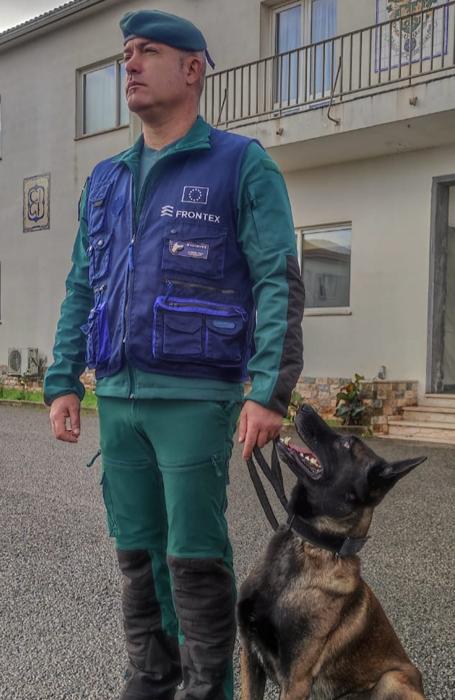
(188, 249)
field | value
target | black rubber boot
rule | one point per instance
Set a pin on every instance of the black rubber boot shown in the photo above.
(205, 604)
(154, 669)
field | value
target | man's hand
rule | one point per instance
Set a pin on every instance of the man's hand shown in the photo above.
(257, 426)
(66, 408)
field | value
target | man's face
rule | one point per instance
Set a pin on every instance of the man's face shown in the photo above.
(156, 76)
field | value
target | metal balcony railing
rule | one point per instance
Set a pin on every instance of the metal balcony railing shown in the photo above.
(403, 51)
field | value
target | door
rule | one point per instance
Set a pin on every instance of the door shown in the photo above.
(441, 319)
(448, 353)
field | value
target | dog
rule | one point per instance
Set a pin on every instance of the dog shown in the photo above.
(306, 618)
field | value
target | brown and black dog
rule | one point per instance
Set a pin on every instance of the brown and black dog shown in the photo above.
(307, 619)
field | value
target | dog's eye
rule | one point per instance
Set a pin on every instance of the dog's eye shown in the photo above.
(351, 497)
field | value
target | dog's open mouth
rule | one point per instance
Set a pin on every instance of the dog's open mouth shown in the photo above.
(300, 457)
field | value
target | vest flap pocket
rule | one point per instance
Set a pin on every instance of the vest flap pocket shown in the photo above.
(224, 338)
(182, 323)
(225, 326)
(98, 349)
(195, 250)
(182, 334)
(99, 258)
(97, 207)
(99, 193)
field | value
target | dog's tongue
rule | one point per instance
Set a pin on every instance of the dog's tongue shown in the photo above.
(298, 448)
(303, 452)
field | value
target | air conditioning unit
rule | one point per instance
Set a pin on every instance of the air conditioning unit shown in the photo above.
(23, 361)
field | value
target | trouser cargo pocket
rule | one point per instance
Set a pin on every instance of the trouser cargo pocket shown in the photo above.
(107, 498)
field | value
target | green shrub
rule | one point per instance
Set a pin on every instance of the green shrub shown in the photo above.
(350, 407)
(295, 403)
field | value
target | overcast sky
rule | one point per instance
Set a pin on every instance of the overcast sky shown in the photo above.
(14, 12)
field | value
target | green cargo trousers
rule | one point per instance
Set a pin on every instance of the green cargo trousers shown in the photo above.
(165, 471)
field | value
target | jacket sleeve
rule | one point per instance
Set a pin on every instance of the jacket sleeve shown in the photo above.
(267, 237)
(62, 377)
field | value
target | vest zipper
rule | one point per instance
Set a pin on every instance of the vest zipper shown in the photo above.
(195, 285)
(196, 306)
(130, 266)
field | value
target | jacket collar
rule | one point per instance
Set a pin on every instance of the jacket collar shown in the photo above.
(197, 138)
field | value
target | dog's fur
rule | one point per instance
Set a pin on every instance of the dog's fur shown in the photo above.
(306, 618)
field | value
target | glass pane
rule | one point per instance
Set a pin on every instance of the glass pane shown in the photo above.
(99, 102)
(288, 37)
(124, 112)
(327, 267)
(323, 26)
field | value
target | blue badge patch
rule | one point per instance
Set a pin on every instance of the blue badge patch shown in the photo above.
(189, 249)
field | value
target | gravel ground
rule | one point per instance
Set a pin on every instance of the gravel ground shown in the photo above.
(60, 616)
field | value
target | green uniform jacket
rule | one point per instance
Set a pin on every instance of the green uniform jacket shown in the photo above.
(266, 235)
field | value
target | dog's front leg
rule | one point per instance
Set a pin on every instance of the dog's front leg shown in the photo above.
(252, 675)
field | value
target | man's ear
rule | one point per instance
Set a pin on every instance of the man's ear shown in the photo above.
(194, 69)
(388, 473)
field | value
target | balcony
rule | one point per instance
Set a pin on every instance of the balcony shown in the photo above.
(350, 78)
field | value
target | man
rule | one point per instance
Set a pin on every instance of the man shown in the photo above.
(185, 255)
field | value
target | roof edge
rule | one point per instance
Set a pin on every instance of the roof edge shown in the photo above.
(45, 20)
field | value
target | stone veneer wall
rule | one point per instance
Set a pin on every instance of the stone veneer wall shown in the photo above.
(31, 383)
(384, 398)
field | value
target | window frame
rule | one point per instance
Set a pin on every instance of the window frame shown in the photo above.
(306, 21)
(300, 232)
(81, 74)
(306, 63)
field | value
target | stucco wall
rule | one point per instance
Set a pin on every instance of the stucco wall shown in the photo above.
(388, 201)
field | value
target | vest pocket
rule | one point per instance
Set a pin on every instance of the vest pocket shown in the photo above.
(97, 207)
(195, 250)
(99, 258)
(182, 332)
(223, 337)
(98, 250)
(198, 331)
(98, 349)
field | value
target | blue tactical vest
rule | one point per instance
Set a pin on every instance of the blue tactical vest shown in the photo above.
(172, 290)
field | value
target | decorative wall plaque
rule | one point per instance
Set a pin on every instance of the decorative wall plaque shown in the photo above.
(36, 216)
(419, 37)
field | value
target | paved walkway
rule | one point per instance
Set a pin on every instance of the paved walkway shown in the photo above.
(61, 636)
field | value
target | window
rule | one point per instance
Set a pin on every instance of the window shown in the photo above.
(102, 103)
(325, 261)
(304, 74)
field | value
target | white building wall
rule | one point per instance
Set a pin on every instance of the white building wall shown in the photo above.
(388, 201)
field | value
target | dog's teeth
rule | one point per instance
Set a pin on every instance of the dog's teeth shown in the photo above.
(286, 441)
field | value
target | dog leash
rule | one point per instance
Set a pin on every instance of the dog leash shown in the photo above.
(274, 475)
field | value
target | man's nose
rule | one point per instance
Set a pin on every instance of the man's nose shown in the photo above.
(132, 64)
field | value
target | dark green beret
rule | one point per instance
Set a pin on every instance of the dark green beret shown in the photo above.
(165, 29)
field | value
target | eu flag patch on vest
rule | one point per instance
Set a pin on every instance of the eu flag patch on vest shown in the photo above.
(188, 249)
(195, 195)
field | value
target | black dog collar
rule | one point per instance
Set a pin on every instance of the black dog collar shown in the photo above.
(341, 546)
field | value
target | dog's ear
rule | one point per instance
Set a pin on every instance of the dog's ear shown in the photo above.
(388, 473)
